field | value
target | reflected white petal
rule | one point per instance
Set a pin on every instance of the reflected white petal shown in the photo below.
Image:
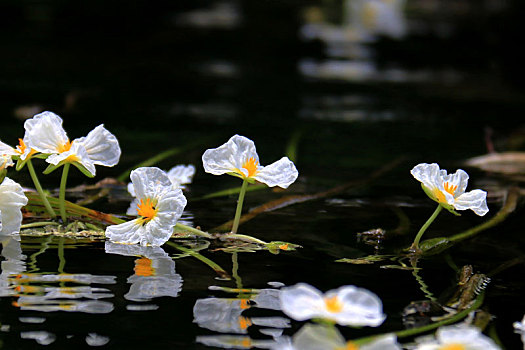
(302, 302)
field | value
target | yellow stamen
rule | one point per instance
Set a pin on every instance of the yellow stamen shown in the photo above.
(283, 246)
(147, 209)
(21, 148)
(144, 267)
(450, 188)
(453, 347)
(246, 342)
(65, 147)
(251, 165)
(71, 158)
(333, 304)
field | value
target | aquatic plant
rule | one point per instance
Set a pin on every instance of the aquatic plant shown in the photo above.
(179, 175)
(158, 206)
(449, 192)
(238, 157)
(347, 305)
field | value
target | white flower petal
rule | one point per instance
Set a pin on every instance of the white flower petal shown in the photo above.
(427, 174)
(281, 173)
(458, 179)
(318, 337)
(149, 182)
(129, 232)
(470, 336)
(101, 146)
(181, 174)
(230, 156)
(360, 307)
(6, 149)
(133, 207)
(5, 161)
(475, 200)
(302, 302)
(12, 199)
(44, 133)
(131, 189)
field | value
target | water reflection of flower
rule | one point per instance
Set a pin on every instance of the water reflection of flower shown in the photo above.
(324, 337)
(12, 264)
(347, 305)
(154, 275)
(463, 337)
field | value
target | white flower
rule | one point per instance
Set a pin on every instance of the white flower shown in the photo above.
(179, 175)
(449, 190)
(222, 315)
(5, 161)
(21, 150)
(45, 134)
(323, 337)
(347, 305)
(461, 337)
(238, 157)
(159, 206)
(12, 199)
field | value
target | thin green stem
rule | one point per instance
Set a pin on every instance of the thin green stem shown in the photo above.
(235, 270)
(62, 195)
(39, 224)
(193, 231)
(39, 189)
(415, 246)
(61, 258)
(238, 211)
(245, 238)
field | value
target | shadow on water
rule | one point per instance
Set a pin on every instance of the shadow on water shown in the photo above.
(436, 82)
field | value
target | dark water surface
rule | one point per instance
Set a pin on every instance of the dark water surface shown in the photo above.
(183, 76)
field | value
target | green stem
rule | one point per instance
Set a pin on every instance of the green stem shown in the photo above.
(235, 270)
(415, 246)
(62, 195)
(192, 230)
(238, 211)
(39, 224)
(39, 189)
(245, 238)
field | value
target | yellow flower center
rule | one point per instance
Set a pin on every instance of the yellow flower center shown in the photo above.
(453, 347)
(147, 209)
(65, 147)
(333, 304)
(349, 346)
(21, 148)
(244, 322)
(451, 189)
(251, 166)
(284, 246)
(144, 267)
(245, 304)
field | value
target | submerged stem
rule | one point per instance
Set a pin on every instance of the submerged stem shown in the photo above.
(62, 194)
(193, 231)
(238, 211)
(39, 189)
(415, 246)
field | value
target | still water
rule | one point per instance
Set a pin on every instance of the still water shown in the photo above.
(352, 111)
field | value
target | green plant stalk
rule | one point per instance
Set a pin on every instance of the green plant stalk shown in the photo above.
(62, 194)
(194, 231)
(415, 246)
(238, 211)
(219, 270)
(39, 189)
(235, 272)
(245, 238)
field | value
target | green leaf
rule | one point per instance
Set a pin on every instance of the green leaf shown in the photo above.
(21, 163)
(50, 168)
(435, 245)
(83, 169)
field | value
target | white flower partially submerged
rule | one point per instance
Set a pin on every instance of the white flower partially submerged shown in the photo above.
(238, 157)
(323, 337)
(449, 190)
(179, 175)
(461, 337)
(45, 134)
(12, 199)
(347, 305)
(159, 206)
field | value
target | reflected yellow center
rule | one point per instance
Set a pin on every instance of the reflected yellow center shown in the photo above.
(144, 267)
(349, 346)
(245, 304)
(244, 322)
(453, 347)
(369, 16)
(146, 209)
(65, 147)
(333, 304)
